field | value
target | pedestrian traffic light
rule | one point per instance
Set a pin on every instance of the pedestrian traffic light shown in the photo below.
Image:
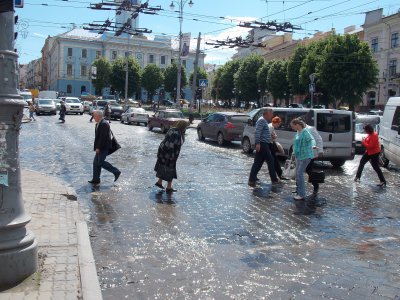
(6, 6)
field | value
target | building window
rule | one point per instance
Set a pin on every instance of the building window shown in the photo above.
(184, 63)
(163, 59)
(392, 67)
(128, 53)
(69, 89)
(98, 54)
(395, 40)
(374, 45)
(69, 70)
(172, 61)
(151, 58)
(83, 89)
(113, 54)
(69, 51)
(83, 70)
(84, 53)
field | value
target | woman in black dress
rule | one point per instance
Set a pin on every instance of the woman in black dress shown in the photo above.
(168, 153)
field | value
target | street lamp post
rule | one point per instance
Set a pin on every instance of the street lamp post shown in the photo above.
(18, 246)
(180, 4)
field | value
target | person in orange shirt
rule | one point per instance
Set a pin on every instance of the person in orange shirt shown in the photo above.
(372, 151)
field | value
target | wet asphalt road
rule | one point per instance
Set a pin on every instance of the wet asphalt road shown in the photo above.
(216, 238)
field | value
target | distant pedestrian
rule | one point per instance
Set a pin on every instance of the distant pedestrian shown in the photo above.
(168, 153)
(102, 144)
(154, 107)
(63, 110)
(263, 150)
(31, 108)
(107, 112)
(372, 152)
(303, 149)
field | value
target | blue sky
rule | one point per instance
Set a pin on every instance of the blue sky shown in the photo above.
(215, 19)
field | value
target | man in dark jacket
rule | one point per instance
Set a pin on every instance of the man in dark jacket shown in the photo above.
(102, 144)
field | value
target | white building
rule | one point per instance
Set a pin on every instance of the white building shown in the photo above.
(68, 57)
(383, 35)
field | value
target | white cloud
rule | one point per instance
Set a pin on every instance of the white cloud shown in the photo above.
(40, 35)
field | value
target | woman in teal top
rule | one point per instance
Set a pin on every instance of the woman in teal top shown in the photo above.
(303, 147)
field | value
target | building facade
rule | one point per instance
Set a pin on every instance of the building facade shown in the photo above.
(34, 74)
(383, 35)
(67, 58)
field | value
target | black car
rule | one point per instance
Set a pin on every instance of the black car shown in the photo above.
(116, 110)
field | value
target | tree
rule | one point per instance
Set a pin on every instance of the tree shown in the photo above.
(201, 74)
(347, 69)
(246, 78)
(262, 76)
(102, 75)
(152, 79)
(293, 71)
(226, 82)
(277, 81)
(170, 78)
(117, 77)
(215, 90)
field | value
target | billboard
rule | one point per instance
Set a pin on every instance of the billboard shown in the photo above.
(185, 45)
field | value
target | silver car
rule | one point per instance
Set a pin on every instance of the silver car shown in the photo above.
(135, 115)
(45, 106)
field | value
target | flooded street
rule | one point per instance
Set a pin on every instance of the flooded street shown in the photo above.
(216, 238)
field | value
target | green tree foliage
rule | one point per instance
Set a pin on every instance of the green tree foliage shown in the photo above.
(246, 78)
(277, 81)
(170, 78)
(347, 69)
(201, 74)
(117, 77)
(103, 75)
(215, 91)
(262, 76)
(293, 71)
(152, 79)
(226, 82)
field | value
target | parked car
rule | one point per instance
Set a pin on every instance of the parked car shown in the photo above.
(135, 115)
(116, 109)
(57, 102)
(361, 121)
(336, 128)
(168, 103)
(86, 106)
(163, 119)
(45, 106)
(222, 127)
(97, 105)
(390, 132)
(73, 105)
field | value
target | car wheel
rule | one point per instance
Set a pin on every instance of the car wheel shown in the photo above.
(246, 145)
(150, 127)
(81, 113)
(122, 121)
(383, 158)
(200, 134)
(38, 113)
(145, 124)
(220, 139)
(337, 163)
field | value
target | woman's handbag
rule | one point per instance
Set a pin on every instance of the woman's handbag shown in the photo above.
(114, 144)
(316, 177)
(289, 169)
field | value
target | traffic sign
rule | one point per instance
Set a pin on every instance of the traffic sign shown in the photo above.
(203, 82)
(19, 3)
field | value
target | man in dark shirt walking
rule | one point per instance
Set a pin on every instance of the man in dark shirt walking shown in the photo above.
(263, 152)
(102, 144)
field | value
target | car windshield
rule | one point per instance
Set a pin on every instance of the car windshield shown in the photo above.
(174, 114)
(360, 127)
(46, 102)
(56, 100)
(139, 110)
(72, 101)
(101, 103)
(252, 113)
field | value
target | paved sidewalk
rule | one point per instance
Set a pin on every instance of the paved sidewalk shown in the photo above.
(66, 267)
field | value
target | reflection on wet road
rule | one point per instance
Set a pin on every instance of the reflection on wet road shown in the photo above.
(215, 238)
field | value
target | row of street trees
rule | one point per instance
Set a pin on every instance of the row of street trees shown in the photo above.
(343, 66)
(151, 78)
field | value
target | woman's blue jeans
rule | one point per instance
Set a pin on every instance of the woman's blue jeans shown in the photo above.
(301, 165)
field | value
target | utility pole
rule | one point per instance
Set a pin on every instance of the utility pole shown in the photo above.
(194, 82)
(18, 246)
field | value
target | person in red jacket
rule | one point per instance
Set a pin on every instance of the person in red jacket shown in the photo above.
(372, 151)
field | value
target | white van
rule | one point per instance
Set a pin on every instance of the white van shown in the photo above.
(390, 132)
(336, 128)
(48, 95)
